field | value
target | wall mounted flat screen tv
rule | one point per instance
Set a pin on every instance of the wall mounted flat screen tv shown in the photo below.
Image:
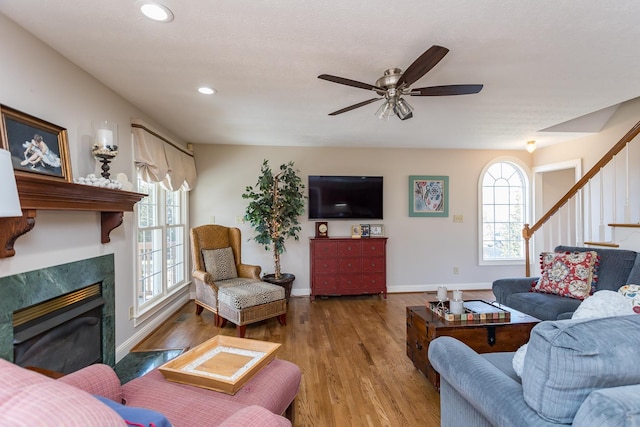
(345, 197)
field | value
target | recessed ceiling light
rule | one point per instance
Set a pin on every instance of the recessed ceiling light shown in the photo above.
(206, 90)
(156, 11)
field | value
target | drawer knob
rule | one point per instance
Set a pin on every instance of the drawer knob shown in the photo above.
(418, 345)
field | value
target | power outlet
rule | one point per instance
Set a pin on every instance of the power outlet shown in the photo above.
(240, 219)
(456, 270)
(458, 218)
(212, 220)
(131, 313)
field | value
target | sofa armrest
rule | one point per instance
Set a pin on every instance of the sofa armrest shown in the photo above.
(97, 379)
(495, 395)
(610, 407)
(502, 288)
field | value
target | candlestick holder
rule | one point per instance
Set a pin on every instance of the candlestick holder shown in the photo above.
(105, 145)
(441, 296)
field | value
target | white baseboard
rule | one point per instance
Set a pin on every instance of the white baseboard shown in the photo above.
(480, 286)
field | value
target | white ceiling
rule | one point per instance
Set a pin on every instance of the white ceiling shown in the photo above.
(542, 63)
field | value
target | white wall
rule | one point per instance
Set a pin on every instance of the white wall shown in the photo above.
(421, 252)
(38, 81)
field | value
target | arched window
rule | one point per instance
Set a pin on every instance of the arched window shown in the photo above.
(503, 212)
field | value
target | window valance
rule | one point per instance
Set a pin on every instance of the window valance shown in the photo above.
(158, 159)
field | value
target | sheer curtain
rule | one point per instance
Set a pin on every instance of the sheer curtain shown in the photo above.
(158, 159)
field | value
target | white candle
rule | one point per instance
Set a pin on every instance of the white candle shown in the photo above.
(104, 137)
(457, 295)
(456, 306)
(442, 293)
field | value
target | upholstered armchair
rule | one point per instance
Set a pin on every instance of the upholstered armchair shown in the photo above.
(228, 288)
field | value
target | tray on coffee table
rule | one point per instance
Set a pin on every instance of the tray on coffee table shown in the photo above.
(222, 363)
(474, 311)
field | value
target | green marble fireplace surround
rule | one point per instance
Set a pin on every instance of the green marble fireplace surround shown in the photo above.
(33, 287)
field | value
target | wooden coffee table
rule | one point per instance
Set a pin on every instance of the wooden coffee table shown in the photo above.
(423, 326)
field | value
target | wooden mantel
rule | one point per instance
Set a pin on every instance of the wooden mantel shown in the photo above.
(37, 193)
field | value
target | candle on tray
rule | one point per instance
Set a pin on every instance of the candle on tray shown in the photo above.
(457, 295)
(442, 293)
(456, 306)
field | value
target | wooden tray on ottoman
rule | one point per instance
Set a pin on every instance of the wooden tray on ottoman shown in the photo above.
(222, 363)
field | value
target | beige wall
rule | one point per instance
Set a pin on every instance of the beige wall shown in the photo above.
(39, 81)
(422, 252)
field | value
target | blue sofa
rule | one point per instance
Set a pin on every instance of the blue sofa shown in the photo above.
(617, 267)
(576, 372)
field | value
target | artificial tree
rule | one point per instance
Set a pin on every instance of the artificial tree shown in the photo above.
(276, 202)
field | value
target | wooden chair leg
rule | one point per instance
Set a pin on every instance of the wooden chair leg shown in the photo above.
(199, 309)
(283, 319)
(240, 330)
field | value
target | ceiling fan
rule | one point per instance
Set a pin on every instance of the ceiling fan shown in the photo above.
(394, 84)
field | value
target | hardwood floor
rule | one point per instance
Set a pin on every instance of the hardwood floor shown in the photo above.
(352, 353)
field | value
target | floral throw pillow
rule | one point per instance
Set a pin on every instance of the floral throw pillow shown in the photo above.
(568, 274)
(633, 293)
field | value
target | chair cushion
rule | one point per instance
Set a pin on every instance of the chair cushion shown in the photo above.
(220, 263)
(568, 359)
(250, 294)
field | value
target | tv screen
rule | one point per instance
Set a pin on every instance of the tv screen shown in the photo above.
(345, 197)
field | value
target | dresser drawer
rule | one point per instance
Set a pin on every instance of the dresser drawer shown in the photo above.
(373, 247)
(349, 283)
(374, 283)
(325, 265)
(373, 265)
(350, 265)
(350, 248)
(324, 284)
(325, 249)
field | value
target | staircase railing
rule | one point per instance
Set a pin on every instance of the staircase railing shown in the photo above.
(528, 232)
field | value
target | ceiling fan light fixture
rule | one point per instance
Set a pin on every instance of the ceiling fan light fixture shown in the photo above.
(403, 109)
(386, 110)
(531, 146)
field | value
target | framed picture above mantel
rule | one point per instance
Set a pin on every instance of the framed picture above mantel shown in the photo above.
(37, 147)
(428, 195)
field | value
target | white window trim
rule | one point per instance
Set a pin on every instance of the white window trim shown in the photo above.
(147, 310)
(527, 213)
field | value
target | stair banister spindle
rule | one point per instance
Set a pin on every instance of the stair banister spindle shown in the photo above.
(601, 223)
(614, 197)
(627, 200)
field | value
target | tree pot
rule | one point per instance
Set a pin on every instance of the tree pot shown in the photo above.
(285, 280)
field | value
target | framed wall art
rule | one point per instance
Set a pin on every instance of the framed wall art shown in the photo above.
(37, 147)
(428, 195)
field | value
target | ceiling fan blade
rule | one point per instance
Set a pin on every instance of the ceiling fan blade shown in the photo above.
(445, 90)
(348, 82)
(354, 106)
(420, 66)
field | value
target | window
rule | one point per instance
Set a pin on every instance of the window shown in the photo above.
(504, 207)
(161, 253)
